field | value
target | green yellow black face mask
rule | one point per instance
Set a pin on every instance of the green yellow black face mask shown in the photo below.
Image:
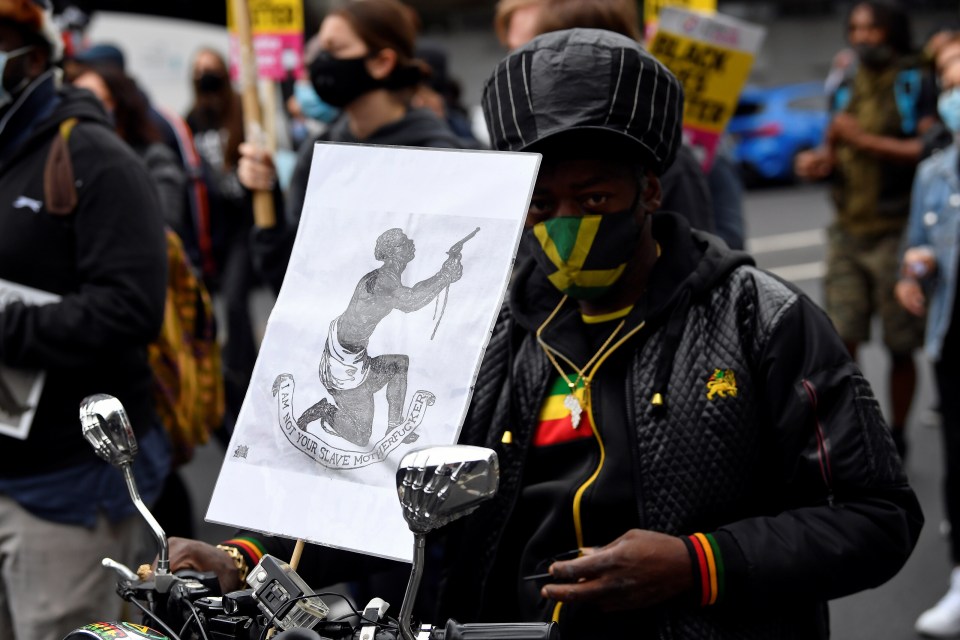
(585, 256)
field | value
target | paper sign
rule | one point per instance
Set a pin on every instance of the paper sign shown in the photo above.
(20, 388)
(277, 27)
(397, 275)
(652, 8)
(712, 57)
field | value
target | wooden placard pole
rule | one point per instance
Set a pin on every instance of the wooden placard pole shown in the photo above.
(264, 214)
(297, 552)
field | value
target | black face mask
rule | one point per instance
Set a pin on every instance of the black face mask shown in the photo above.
(875, 56)
(340, 81)
(209, 82)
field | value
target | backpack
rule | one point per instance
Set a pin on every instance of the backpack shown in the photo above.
(907, 88)
(202, 234)
(185, 359)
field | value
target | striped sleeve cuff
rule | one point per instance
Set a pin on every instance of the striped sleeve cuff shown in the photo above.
(709, 574)
(251, 548)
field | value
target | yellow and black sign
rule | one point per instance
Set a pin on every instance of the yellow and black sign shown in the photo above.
(712, 77)
(271, 16)
(651, 8)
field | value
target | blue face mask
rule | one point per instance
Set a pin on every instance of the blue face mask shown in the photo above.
(948, 106)
(311, 104)
(6, 97)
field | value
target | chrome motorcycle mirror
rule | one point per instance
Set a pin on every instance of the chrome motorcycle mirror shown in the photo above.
(436, 486)
(107, 428)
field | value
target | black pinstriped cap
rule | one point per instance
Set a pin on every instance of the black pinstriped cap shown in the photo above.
(585, 80)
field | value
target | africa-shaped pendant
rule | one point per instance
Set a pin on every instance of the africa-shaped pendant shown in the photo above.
(572, 403)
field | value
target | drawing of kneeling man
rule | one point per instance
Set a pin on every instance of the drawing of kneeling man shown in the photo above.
(350, 375)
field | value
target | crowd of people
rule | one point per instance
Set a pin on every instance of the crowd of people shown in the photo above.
(691, 514)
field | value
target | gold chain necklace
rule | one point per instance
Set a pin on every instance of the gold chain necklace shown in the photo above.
(571, 402)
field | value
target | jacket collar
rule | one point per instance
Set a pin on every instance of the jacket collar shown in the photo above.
(946, 166)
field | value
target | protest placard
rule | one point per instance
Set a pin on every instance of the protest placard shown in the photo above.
(277, 27)
(20, 388)
(652, 8)
(712, 57)
(399, 268)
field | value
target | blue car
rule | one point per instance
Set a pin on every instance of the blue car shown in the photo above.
(771, 125)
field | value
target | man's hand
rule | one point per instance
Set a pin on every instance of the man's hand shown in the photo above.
(910, 296)
(845, 128)
(452, 270)
(813, 164)
(639, 569)
(200, 556)
(255, 169)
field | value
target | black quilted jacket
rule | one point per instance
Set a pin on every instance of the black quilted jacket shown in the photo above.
(797, 475)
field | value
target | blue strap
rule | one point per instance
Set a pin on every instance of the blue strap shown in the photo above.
(841, 98)
(906, 90)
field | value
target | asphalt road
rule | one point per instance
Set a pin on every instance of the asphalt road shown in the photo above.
(785, 226)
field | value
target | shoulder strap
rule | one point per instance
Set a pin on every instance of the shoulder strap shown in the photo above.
(59, 186)
(906, 90)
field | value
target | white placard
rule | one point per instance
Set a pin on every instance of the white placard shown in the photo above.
(20, 388)
(369, 345)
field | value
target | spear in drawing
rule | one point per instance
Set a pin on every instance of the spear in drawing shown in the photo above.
(8, 402)
(456, 251)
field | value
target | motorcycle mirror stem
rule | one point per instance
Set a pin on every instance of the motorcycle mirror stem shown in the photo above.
(436, 486)
(106, 427)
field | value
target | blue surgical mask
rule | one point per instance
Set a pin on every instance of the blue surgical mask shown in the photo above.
(311, 104)
(6, 97)
(948, 106)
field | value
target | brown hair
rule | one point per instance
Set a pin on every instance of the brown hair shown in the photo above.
(383, 24)
(131, 117)
(505, 10)
(619, 16)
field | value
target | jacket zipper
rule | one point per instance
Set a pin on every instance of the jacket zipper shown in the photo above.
(823, 452)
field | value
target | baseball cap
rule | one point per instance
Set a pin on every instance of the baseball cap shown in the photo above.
(585, 87)
(36, 16)
(102, 54)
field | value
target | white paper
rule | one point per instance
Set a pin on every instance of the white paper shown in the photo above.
(716, 28)
(20, 388)
(334, 482)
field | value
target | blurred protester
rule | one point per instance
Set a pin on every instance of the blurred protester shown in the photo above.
(80, 220)
(684, 186)
(928, 287)
(127, 109)
(942, 48)
(216, 119)
(309, 115)
(872, 147)
(515, 21)
(366, 68)
(440, 93)
(194, 224)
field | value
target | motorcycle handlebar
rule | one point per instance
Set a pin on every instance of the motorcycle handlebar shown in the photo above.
(499, 631)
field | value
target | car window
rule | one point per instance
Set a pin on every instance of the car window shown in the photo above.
(747, 108)
(808, 103)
